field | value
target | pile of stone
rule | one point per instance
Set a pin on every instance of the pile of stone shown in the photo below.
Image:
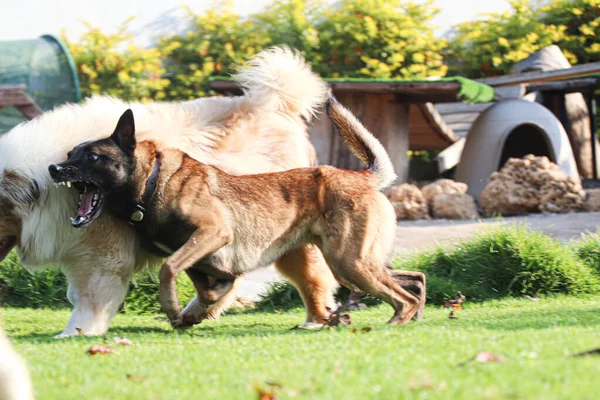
(524, 185)
(531, 184)
(443, 198)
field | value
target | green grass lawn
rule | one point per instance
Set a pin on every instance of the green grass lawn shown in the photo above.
(227, 358)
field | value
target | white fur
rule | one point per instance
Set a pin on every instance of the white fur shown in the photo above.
(15, 383)
(261, 131)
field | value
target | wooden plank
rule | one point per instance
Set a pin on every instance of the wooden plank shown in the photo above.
(449, 108)
(30, 111)
(460, 117)
(12, 98)
(436, 121)
(410, 92)
(571, 86)
(450, 157)
(547, 76)
(509, 92)
(13, 88)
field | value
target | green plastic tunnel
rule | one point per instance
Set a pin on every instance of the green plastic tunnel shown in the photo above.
(45, 66)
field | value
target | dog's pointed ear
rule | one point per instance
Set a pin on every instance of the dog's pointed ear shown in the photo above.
(124, 135)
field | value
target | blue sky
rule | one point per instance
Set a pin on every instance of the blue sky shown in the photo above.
(22, 19)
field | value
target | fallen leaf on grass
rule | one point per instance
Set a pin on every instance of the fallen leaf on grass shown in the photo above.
(593, 352)
(487, 357)
(338, 316)
(122, 341)
(99, 349)
(364, 330)
(268, 394)
(484, 357)
(134, 378)
(452, 316)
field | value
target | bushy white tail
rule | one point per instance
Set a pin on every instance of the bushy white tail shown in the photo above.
(282, 78)
(361, 142)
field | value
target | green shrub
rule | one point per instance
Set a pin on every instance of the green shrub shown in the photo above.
(588, 250)
(21, 288)
(143, 293)
(48, 289)
(281, 295)
(503, 262)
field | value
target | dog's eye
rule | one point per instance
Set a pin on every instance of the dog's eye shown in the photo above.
(92, 157)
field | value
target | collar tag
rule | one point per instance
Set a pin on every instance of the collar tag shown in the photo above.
(138, 214)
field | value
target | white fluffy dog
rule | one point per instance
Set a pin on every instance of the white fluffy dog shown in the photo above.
(15, 383)
(263, 130)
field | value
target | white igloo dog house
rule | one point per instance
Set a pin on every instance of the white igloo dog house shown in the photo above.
(512, 128)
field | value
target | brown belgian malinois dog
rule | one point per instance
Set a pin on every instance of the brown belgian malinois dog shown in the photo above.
(217, 227)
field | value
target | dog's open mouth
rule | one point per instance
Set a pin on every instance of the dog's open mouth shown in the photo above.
(91, 200)
(6, 245)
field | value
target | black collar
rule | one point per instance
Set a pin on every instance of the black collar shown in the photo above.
(139, 210)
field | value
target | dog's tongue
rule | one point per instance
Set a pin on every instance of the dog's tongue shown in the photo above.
(86, 202)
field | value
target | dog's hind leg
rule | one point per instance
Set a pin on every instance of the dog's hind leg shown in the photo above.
(307, 270)
(375, 280)
(415, 283)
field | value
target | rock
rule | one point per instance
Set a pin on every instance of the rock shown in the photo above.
(531, 184)
(454, 206)
(443, 186)
(592, 201)
(408, 202)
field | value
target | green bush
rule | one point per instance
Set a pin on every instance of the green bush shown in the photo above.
(503, 262)
(588, 250)
(143, 293)
(48, 289)
(21, 288)
(497, 263)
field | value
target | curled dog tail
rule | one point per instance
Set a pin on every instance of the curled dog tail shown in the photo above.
(279, 79)
(361, 142)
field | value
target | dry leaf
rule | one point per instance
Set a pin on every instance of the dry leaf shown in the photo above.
(487, 357)
(338, 316)
(79, 331)
(123, 341)
(134, 378)
(484, 357)
(99, 349)
(264, 394)
(593, 352)
(367, 329)
(452, 316)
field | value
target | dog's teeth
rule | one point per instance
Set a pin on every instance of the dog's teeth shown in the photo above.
(68, 183)
(94, 203)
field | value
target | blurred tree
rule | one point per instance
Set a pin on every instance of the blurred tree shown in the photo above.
(218, 42)
(379, 39)
(491, 46)
(581, 18)
(111, 64)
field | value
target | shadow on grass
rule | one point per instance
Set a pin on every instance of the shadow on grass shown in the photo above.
(511, 320)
